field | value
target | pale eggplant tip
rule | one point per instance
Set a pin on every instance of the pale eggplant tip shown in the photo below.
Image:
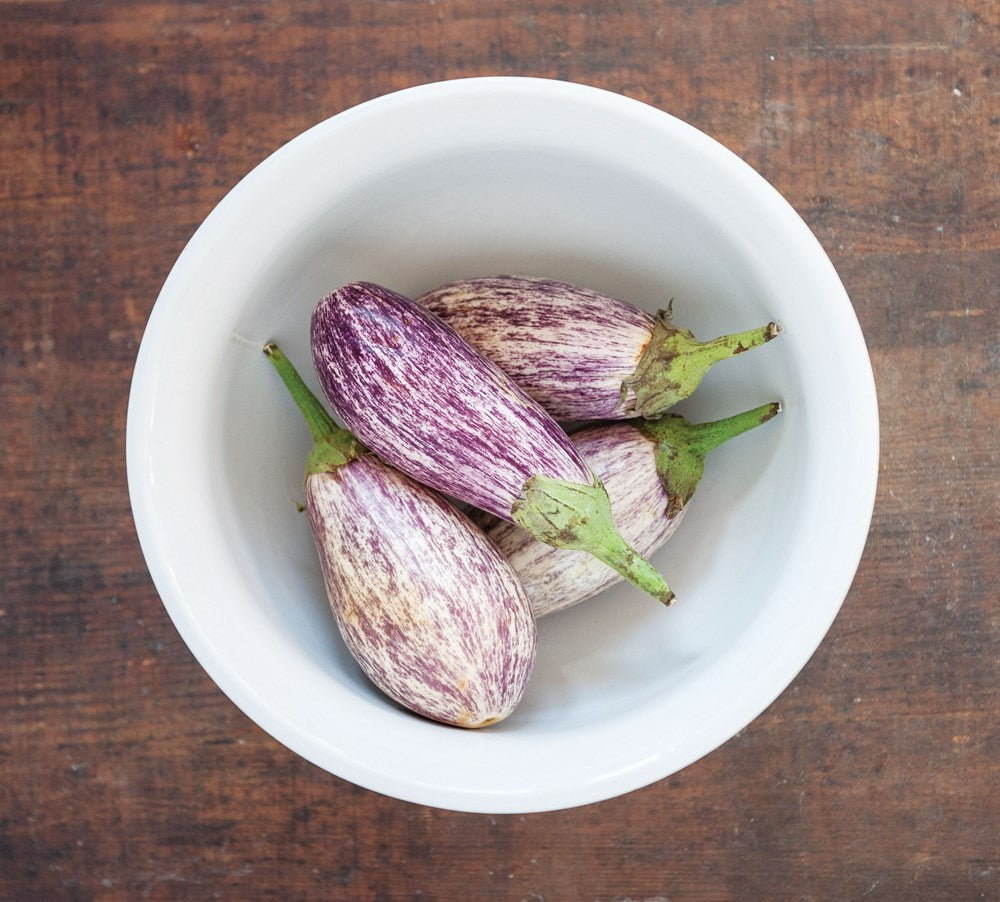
(468, 721)
(487, 722)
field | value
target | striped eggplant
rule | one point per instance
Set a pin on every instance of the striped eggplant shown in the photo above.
(650, 469)
(429, 609)
(580, 354)
(424, 400)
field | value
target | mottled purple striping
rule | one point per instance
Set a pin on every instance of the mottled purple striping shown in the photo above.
(625, 460)
(570, 348)
(428, 607)
(409, 387)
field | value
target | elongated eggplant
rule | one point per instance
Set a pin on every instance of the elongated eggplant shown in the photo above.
(580, 354)
(650, 469)
(428, 607)
(422, 398)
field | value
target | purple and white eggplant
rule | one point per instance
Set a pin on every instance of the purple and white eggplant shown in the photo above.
(416, 393)
(650, 469)
(580, 354)
(428, 607)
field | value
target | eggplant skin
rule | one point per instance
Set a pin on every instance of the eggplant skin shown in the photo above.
(625, 460)
(415, 392)
(569, 348)
(428, 607)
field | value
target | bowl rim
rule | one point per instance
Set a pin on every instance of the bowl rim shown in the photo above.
(334, 760)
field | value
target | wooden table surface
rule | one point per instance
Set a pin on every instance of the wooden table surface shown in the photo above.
(126, 774)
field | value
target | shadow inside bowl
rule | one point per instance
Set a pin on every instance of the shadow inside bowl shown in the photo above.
(424, 224)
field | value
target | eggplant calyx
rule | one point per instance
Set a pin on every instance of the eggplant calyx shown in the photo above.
(577, 516)
(332, 452)
(681, 447)
(333, 446)
(674, 362)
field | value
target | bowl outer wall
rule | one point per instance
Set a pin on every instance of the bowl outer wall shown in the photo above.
(495, 771)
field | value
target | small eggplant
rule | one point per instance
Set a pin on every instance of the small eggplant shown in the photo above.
(580, 354)
(409, 387)
(428, 607)
(650, 469)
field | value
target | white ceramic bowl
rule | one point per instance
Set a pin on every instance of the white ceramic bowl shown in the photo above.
(476, 177)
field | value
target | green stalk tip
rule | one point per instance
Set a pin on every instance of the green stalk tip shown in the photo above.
(674, 362)
(576, 516)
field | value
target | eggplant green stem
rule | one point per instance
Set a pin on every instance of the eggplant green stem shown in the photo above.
(682, 447)
(674, 362)
(333, 447)
(576, 516)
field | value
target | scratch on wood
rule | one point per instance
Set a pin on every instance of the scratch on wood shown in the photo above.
(957, 313)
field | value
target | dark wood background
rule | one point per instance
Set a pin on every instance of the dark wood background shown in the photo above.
(124, 772)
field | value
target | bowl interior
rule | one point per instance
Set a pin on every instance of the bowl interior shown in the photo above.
(476, 178)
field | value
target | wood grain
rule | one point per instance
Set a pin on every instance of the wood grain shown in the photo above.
(124, 772)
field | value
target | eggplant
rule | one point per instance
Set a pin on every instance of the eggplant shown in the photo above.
(408, 386)
(580, 354)
(427, 606)
(651, 469)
